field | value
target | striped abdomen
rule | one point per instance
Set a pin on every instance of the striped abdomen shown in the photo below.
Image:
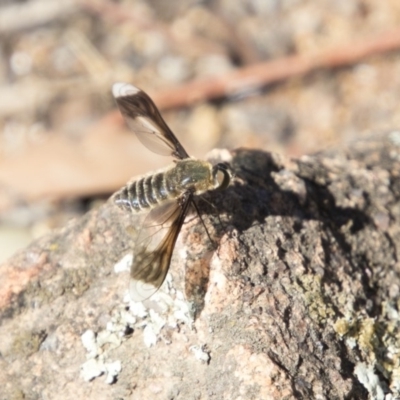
(146, 193)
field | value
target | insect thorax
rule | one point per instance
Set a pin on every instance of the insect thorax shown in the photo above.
(153, 190)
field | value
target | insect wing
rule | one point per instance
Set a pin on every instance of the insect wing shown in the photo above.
(143, 117)
(154, 247)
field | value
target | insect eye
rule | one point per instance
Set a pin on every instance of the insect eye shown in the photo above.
(222, 175)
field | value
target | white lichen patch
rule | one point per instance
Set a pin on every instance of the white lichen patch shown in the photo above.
(95, 367)
(91, 369)
(367, 376)
(107, 337)
(149, 336)
(378, 340)
(124, 264)
(166, 308)
(152, 329)
(112, 371)
(136, 308)
(99, 345)
(200, 353)
(182, 312)
(89, 342)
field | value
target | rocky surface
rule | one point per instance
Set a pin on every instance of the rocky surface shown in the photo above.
(300, 299)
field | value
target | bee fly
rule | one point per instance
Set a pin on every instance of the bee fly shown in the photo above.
(166, 194)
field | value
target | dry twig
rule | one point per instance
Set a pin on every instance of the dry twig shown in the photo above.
(256, 76)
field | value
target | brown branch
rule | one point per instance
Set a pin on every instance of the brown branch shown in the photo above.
(261, 74)
(258, 75)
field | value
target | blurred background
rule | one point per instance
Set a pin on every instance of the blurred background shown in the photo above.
(289, 76)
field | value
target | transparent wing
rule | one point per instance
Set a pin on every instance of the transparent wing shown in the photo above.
(143, 117)
(154, 247)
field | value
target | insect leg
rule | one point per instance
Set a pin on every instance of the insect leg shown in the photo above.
(202, 221)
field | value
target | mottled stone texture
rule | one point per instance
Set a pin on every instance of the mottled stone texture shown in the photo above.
(299, 300)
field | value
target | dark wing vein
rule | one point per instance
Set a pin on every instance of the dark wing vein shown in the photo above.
(153, 250)
(143, 117)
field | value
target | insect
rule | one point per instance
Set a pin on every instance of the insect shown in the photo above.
(166, 194)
